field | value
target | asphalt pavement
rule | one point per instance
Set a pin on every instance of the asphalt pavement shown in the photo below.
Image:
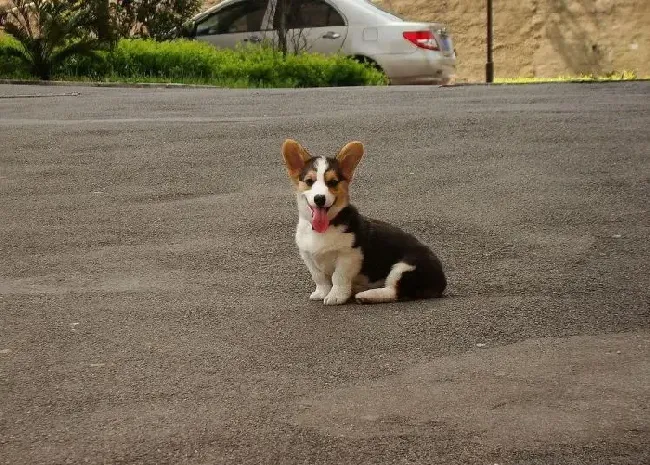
(154, 309)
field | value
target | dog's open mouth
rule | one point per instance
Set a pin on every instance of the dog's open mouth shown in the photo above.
(319, 220)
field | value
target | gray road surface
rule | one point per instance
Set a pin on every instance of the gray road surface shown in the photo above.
(153, 307)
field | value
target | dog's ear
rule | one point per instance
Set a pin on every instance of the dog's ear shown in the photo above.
(349, 158)
(295, 157)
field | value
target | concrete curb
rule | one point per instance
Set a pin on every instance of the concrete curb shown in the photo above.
(571, 81)
(171, 85)
(139, 85)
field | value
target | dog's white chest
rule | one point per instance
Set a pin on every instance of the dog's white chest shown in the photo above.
(323, 248)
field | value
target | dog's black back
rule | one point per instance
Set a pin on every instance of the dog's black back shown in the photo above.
(384, 245)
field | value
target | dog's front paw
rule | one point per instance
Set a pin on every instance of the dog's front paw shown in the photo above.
(337, 296)
(320, 292)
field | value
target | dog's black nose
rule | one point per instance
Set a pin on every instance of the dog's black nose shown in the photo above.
(319, 200)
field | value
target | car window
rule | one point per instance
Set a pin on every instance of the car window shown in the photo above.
(309, 13)
(243, 16)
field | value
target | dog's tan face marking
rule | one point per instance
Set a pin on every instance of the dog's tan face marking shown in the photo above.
(335, 183)
(338, 186)
(307, 180)
(318, 178)
(331, 179)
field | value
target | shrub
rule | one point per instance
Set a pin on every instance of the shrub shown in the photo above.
(11, 67)
(198, 62)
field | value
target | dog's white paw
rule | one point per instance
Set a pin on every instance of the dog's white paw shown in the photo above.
(320, 292)
(337, 296)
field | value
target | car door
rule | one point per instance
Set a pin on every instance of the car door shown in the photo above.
(241, 21)
(312, 26)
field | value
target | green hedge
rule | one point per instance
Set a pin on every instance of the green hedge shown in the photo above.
(196, 62)
(10, 67)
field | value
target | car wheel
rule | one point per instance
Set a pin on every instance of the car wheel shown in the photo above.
(368, 61)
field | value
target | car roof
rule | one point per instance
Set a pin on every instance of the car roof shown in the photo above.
(357, 11)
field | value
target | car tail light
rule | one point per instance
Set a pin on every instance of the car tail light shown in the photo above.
(422, 39)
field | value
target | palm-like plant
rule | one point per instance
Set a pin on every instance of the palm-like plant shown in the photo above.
(49, 31)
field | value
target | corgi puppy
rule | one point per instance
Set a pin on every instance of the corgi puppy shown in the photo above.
(348, 254)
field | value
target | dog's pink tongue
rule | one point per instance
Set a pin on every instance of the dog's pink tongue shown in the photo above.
(319, 221)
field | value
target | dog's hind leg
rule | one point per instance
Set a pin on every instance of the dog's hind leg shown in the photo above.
(388, 293)
(377, 296)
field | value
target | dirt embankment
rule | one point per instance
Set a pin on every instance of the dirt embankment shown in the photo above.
(543, 38)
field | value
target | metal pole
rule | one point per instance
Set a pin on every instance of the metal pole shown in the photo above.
(489, 66)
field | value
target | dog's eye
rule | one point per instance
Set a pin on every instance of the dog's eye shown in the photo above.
(332, 183)
(309, 182)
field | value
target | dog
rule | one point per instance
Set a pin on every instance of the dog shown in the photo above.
(346, 253)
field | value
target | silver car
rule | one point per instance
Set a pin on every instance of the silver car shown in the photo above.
(407, 52)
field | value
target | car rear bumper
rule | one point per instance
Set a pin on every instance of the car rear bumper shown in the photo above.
(419, 67)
